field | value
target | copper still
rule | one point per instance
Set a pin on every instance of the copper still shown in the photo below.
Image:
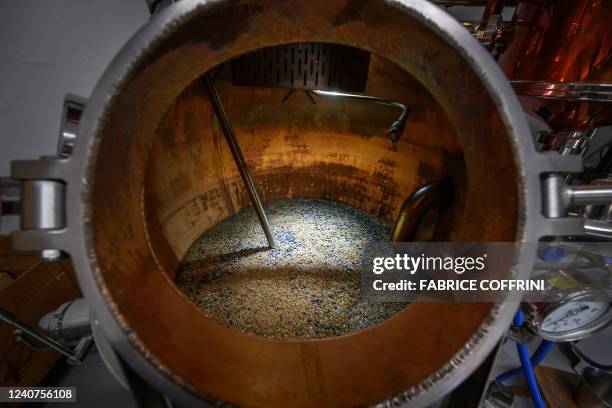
(150, 171)
(333, 150)
(558, 56)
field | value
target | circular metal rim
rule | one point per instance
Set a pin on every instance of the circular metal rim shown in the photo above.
(80, 242)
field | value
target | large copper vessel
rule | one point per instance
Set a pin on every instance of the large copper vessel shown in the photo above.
(560, 41)
(559, 58)
(150, 172)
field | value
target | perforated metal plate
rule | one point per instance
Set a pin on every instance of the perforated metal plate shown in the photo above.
(304, 66)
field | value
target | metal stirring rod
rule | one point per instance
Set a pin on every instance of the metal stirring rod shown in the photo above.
(232, 142)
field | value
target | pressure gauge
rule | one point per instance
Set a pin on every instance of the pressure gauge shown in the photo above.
(573, 315)
(571, 309)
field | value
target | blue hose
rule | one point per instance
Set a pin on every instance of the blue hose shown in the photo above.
(536, 358)
(538, 401)
(526, 365)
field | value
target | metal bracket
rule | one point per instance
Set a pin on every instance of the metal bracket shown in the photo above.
(71, 117)
(538, 166)
(75, 356)
(558, 198)
(498, 396)
(43, 185)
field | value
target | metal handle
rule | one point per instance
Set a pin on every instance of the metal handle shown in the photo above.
(415, 208)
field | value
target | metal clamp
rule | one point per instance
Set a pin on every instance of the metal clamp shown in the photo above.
(43, 204)
(43, 189)
(558, 198)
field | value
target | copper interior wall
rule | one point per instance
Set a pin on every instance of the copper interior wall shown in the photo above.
(334, 149)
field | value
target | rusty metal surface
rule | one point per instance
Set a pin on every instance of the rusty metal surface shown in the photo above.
(333, 149)
(164, 336)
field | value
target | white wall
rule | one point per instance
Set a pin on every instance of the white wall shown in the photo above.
(49, 48)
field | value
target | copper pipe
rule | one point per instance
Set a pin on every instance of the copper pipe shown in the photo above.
(559, 62)
(416, 207)
(560, 41)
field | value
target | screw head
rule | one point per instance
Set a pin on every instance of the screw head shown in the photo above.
(51, 255)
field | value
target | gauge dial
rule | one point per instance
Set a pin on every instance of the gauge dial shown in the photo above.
(573, 315)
